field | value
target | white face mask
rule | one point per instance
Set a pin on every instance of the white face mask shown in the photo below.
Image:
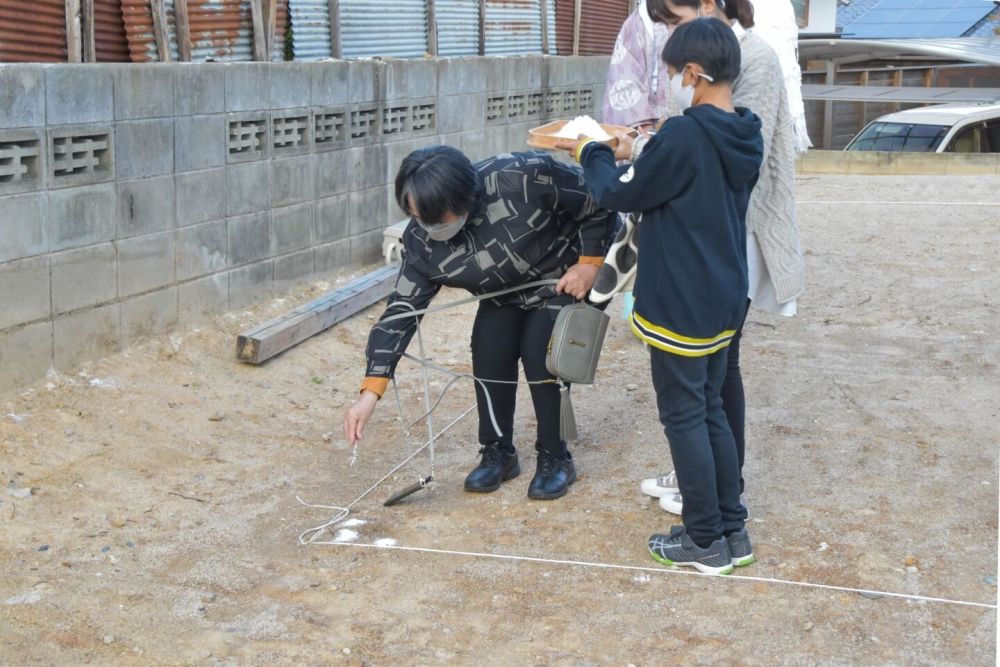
(444, 232)
(684, 94)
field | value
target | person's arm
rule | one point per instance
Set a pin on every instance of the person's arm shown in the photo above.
(386, 344)
(658, 175)
(573, 196)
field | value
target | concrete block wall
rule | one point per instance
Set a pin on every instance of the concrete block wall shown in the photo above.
(135, 199)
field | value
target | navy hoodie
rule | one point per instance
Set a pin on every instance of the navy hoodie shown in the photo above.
(692, 185)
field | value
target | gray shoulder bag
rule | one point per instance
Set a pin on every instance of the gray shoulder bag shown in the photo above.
(573, 353)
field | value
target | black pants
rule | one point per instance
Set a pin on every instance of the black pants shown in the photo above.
(701, 442)
(500, 336)
(733, 397)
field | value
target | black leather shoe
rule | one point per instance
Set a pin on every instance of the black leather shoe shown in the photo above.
(552, 477)
(498, 465)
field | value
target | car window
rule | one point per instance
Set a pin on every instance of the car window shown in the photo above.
(993, 135)
(971, 139)
(882, 136)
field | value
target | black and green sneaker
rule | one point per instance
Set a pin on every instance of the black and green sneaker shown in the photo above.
(678, 549)
(740, 548)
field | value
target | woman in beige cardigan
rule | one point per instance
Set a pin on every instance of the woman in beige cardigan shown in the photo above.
(774, 254)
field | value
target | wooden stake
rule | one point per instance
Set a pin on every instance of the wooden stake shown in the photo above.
(275, 336)
(271, 20)
(160, 33)
(336, 46)
(432, 31)
(259, 39)
(89, 43)
(482, 27)
(183, 27)
(74, 40)
(545, 27)
(577, 9)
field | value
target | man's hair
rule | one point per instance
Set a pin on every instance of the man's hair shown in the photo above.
(439, 179)
(708, 42)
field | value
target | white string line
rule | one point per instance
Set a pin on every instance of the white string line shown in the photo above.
(902, 203)
(662, 570)
(343, 512)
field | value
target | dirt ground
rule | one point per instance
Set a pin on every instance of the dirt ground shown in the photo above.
(150, 514)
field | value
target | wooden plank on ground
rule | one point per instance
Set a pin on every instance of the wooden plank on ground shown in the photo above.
(275, 336)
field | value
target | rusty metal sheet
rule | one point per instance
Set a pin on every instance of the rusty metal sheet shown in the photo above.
(513, 27)
(370, 29)
(32, 32)
(600, 21)
(310, 29)
(457, 27)
(109, 32)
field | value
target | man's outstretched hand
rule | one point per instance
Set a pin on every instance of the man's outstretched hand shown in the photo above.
(358, 415)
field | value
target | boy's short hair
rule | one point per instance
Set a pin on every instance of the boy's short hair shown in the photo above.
(440, 180)
(710, 43)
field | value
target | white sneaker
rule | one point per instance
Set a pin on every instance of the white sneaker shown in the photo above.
(673, 503)
(660, 486)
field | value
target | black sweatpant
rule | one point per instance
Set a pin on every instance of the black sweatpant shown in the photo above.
(701, 442)
(733, 396)
(500, 336)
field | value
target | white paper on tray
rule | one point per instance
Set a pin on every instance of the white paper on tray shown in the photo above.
(584, 125)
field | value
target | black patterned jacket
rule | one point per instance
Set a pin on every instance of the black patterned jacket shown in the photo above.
(534, 219)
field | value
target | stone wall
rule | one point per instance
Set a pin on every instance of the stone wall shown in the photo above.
(135, 199)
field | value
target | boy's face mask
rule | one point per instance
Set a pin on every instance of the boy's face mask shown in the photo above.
(444, 231)
(685, 94)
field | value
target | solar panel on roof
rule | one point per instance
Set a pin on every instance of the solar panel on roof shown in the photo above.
(919, 18)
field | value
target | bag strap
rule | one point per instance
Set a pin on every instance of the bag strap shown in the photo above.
(471, 299)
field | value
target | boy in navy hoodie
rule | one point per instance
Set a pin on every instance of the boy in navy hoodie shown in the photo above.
(692, 186)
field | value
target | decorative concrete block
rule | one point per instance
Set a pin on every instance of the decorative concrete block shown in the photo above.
(248, 187)
(332, 219)
(145, 206)
(22, 226)
(200, 299)
(329, 83)
(22, 95)
(293, 270)
(199, 142)
(143, 91)
(81, 216)
(248, 137)
(78, 93)
(365, 123)
(87, 335)
(144, 148)
(291, 228)
(291, 84)
(333, 173)
(22, 161)
(84, 277)
(200, 196)
(80, 155)
(369, 209)
(201, 249)
(145, 263)
(291, 132)
(361, 81)
(331, 128)
(251, 284)
(368, 166)
(148, 315)
(333, 256)
(366, 248)
(25, 355)
(292, 180)
(402, 79)
(28, 279)
(461, 76)
(247, 86)
(199, 88)
(249, 238)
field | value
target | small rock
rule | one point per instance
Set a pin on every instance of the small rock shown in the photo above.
(109, 639)
(105, 549)
(910, 561)
(631, 387)
(347, 651)
(130, 544)
(912, 569)
(808, 626)
(823, 546)
(19, 493)
(217, 417)
(645, 502)
(991, 580)
(43, 548)
(117, 520)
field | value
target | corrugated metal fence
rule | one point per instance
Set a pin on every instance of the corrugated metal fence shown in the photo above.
(457, 27)
(373, 29)
(110, 41)
(600, 21)
(33, 32)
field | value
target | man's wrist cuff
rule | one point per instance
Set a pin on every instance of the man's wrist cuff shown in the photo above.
(594, 261)
(375, 384)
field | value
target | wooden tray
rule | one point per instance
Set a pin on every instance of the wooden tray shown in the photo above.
(544, 137)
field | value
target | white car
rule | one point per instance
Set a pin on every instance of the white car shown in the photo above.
(945, 128)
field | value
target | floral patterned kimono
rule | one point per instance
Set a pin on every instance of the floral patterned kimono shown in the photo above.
(637, 89)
